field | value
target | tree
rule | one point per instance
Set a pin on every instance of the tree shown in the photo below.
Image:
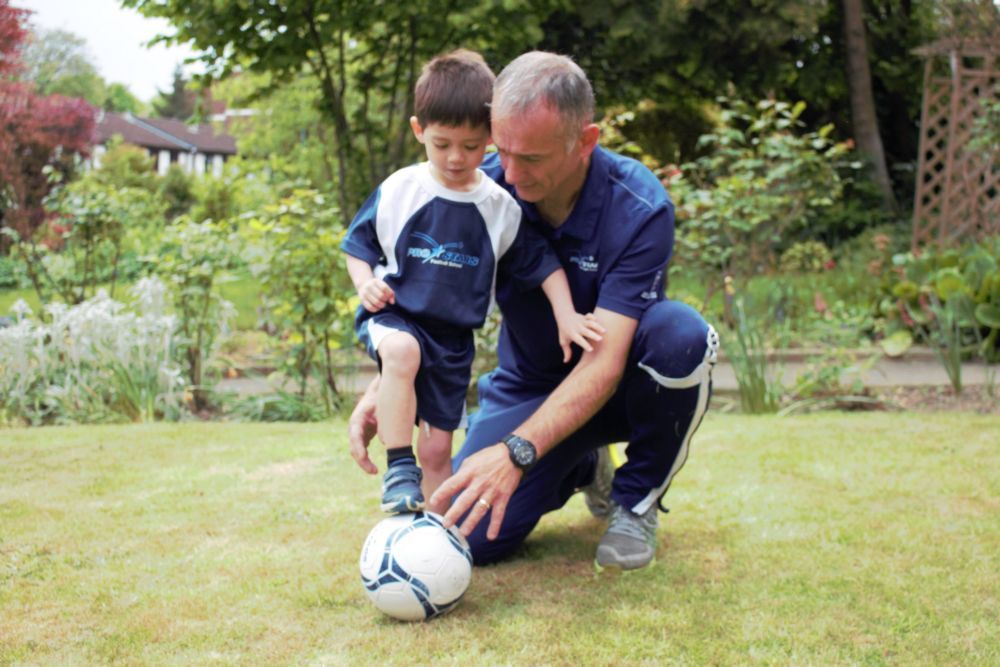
(863, 115)
(39, 136)
(365, 57)
(12, 36)
(179, 102)
(120, 99)
(57, 62)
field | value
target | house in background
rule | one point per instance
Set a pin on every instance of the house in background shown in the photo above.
(198, 149)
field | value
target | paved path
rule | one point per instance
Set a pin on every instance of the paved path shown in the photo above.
(918, 368)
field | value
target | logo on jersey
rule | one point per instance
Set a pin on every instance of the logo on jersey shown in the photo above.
(653, 292)
(441, 254)
(586, 263)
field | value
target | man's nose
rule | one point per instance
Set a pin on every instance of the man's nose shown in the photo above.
(511, 172)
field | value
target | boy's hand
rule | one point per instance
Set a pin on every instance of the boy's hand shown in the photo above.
(375, 294)
(579, 329)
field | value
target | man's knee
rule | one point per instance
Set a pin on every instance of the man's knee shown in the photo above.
(674, 340)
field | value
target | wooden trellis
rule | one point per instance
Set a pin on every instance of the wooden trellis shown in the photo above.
(958, 190)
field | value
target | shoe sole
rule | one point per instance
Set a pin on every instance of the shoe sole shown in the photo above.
(612, 567)
(403, 506)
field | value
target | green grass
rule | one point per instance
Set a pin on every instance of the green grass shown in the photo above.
(822, 539)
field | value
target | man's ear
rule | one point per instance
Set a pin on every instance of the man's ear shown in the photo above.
(418, 131)
(589, 137)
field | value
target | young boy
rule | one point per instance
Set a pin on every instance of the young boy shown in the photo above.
(423, 253)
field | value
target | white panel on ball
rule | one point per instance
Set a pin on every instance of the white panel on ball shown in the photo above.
(413, 568)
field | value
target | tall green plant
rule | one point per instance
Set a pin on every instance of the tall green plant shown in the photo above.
(194, 259)
(294, 251)
(760, 389)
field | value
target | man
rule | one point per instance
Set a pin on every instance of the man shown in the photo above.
(541, 424)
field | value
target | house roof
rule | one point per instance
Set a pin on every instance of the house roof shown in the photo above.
(110, 124)
(202, 136)
(162, 133)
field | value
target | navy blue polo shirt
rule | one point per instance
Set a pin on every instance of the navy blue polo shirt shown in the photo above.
(614, 246)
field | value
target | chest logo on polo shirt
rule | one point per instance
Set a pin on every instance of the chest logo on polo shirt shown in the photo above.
(586, 263)
(441, 254)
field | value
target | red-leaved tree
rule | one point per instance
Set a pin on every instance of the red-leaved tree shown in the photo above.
(39, 136)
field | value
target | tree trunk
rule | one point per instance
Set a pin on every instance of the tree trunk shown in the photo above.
(863, 117)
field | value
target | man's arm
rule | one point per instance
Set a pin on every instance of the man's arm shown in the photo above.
(362, 426)
(490, 475)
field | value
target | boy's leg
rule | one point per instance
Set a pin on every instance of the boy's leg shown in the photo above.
(396, 409)
(434, 455)
(396, 405)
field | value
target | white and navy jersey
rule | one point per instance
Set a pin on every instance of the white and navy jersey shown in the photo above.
(439, 249)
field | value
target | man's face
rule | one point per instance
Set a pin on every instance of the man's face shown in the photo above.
(532, 148)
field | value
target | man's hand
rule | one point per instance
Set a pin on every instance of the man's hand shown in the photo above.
(375, 294)
(489, 476)
(362, 427)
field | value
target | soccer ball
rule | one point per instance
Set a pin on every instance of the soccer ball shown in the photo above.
(413, 568)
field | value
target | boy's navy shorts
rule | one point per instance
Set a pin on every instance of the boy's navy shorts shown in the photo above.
(445, 364)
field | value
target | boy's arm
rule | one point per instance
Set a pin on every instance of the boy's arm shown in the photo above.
(573, 327)
(374, 293)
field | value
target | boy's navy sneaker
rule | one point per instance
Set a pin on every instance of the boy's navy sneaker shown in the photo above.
(401, 488)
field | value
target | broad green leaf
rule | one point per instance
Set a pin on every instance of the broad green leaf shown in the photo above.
(897, 344)
(988, 315)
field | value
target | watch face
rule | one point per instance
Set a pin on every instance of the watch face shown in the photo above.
(524, 453)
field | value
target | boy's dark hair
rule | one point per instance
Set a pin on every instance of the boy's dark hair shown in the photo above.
(454, 89)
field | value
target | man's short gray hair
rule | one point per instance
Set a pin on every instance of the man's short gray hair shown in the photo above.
(556, 81)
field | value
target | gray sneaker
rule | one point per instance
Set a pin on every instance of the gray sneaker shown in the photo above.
(630, 541)
(597, 494)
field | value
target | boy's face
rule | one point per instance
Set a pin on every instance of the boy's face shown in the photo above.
(453, 151)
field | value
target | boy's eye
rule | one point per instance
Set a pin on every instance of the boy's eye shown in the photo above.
(472, 147)
(440, 146)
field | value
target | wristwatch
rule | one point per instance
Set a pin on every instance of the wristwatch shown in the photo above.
(522, 452)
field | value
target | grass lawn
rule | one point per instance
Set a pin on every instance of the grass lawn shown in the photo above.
(822, 539)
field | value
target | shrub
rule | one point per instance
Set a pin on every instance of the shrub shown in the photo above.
(295, 252)
(194, 259)
(948, 297)
(91, 362)
(761, 180)
(806, 257)
(95, 238)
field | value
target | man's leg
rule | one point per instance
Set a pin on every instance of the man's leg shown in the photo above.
(662, 397)
(665, 394)
(656, 408)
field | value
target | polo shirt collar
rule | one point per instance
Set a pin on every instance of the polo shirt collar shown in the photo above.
(582, 220)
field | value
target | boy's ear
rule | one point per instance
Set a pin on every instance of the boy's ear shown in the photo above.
(418, 131)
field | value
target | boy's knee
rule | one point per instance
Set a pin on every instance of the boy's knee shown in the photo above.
(435, 454)
(400, 353)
